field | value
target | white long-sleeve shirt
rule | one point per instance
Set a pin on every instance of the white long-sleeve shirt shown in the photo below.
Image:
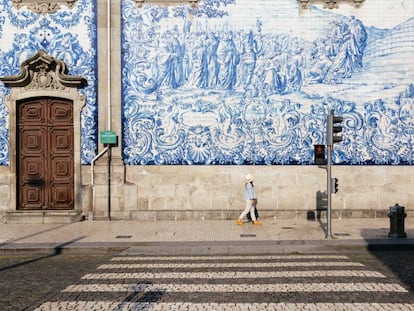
(249, 192)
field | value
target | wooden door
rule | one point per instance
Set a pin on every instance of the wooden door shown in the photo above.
(45, 166)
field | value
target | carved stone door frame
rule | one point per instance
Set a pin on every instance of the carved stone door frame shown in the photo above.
(44, 76)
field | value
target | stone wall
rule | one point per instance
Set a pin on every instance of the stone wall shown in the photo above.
(216, 192)
(156, 192)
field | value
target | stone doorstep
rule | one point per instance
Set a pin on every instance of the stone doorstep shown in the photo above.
(42, 216)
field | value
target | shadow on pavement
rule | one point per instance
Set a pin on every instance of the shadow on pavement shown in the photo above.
(33, 234)
(396, 254)
(57, 251)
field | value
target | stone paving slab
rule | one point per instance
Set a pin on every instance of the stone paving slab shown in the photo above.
(205, 237)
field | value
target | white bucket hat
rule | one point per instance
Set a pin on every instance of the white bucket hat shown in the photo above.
(249, 178)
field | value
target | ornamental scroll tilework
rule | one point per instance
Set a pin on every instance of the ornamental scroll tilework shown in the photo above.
(69, 34)
(251, 82)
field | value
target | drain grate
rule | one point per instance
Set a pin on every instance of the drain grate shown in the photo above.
(123, 236)
(247, 235)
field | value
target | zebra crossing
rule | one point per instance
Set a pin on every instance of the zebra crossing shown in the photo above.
(240, 283)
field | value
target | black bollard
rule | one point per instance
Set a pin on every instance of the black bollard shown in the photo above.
(397, 216)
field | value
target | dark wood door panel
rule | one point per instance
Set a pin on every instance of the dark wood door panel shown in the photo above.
(32, 183)
(60, 113)
(32, 140)
(61, 196)
(61, 169)
(46, 153)
(61, 184)
(32, 167)
(32, 113)
(61, 141)
(32, 196)
(33, 170)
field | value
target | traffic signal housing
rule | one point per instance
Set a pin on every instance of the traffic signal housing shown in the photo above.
(334, 185)
(319, 154)
(334, 129)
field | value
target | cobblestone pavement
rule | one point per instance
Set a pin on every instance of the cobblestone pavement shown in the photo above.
(28, 280)
(342, 281)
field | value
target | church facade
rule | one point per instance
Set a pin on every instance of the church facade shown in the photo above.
(156, 110)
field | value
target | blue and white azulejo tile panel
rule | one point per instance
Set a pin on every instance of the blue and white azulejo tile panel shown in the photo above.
(252, 82)
(69, 35)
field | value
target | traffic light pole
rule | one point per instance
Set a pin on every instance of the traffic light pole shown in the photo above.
(333, 135)
(329, 192)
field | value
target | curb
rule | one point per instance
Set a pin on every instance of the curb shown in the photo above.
(210, 247)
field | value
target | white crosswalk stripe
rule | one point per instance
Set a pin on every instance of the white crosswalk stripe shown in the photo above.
(194, 283)
(184, 306)
(244, 288)
(233, 265)
(235, 274)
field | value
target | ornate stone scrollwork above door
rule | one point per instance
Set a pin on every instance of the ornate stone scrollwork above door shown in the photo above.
(43, 7)
(44, 72)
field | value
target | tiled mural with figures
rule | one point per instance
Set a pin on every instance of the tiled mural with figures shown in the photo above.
(69, 35)
(251, 82)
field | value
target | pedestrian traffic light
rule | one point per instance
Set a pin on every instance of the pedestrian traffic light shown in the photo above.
(334, 129)
(334, 185)
(319, 154)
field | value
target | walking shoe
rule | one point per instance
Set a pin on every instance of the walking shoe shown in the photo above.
(257, 223)
(239, 222)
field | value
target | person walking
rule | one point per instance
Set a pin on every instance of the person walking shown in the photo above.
(251, 200)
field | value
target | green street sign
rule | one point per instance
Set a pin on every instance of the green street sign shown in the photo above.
(108, 137)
